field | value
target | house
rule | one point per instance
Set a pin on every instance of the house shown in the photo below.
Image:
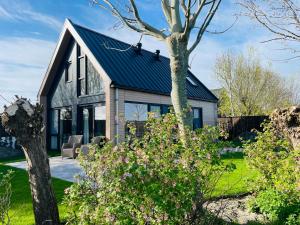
(95, 83)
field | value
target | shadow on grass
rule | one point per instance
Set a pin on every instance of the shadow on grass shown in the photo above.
(233, 155)
(22, 157)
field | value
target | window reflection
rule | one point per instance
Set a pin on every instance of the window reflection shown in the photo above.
(156, 110)
(136, 112)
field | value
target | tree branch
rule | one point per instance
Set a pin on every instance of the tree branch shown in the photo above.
(135, 23)
(213, 8)
(281, 18)
(176, 18)
(146, 27)
(167, 11)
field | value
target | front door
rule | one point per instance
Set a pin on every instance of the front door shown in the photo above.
(197, 118)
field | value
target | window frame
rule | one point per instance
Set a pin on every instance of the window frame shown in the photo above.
(139, 103)
(68, 76)
(81, 77)
(200, 117)
(155, 105)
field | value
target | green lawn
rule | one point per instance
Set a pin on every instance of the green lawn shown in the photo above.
(232, 183)
(21, 205)
(235, 182)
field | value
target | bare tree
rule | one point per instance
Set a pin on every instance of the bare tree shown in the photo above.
(280, 17)
(251, 88)
(25, 122)
(183, 18)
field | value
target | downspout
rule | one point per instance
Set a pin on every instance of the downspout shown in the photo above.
(117, 115)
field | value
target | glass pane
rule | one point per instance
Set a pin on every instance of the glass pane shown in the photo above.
(82, 67)
(165, 109)
(53, 144)
(65, 124)
(100, 121)
(196, 113)
(68, 71)
(82, 86)
(100, 112)
(81, 53)
(156, 110)
(54, 121)
(86, 133)
(136, 112)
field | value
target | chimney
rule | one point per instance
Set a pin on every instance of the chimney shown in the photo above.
(157, 54)
(138, 48)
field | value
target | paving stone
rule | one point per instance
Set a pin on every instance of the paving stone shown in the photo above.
(65, 169)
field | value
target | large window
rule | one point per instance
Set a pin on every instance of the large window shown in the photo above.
(65, 124)
(81, 76)
(100, 120)
(139, 111)
(89, 80)
(54, 128)
(60, 126)
(92, 121)
(197, 118)
(136, 112)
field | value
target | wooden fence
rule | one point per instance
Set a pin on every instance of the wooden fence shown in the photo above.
(236, 126)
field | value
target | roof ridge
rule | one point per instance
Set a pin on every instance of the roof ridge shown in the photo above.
(105, 35)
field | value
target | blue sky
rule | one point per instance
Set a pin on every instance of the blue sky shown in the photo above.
(29, 30)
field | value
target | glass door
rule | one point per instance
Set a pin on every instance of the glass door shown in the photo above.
(86, 123)
(197, 118)
(65, 130)
(54, 129)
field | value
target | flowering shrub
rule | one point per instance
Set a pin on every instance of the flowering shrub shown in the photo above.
(5, 196)
(277, 187)
(148, 180)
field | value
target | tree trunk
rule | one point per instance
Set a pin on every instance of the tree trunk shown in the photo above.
(43, 198)
(179, 58)
(25, 122)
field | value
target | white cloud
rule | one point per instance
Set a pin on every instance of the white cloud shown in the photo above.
(23, 12)
(5, 14)
(23, 62)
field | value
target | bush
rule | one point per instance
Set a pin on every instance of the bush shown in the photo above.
(5, 196)
(277, 206)
(277, 185)
(151, 180)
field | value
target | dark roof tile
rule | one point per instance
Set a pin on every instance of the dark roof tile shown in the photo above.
(129, 70)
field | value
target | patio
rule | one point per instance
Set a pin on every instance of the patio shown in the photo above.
(64, 169)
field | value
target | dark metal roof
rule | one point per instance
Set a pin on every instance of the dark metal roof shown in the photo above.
(142, 72)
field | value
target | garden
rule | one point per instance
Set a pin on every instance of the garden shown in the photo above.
(156, 179)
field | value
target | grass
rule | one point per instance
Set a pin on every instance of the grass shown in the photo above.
(231, 184)
(235, 182)
(22, 157)
(21, 204)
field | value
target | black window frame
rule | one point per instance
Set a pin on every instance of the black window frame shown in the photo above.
(81, 77)
(159, 105)
(68, 76)
(200, 118)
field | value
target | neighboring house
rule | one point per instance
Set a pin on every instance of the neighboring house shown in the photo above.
(95, 84)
